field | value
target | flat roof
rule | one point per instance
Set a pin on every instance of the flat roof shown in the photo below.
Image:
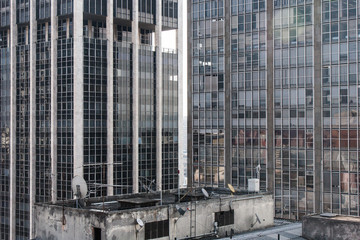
(146, 200)
(336, 217)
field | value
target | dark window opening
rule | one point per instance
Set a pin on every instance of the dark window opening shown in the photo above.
(157, 229)
(97, 233)
(224, 218)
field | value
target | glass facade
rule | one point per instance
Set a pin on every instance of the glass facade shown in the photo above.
(22, 134)
(248, 91)
(340, 106)
(46, 75)
(43, 10)
(123, 149)
(5, 134)
(65, 106)
(4, 13)
(311, 172)
(64, 7)
(208, 106)
(293, 108)
(95, 106)
(98, 7)
(169, 13)
(170, 131)
(43, 113)
(122, 9)
(147, 117)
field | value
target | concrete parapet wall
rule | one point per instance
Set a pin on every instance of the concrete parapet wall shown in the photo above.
(339, 227)
(55, 222)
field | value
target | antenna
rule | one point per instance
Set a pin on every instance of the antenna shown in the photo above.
(257, 220)
(206, 194)
(231, 188)
(140, 222)
(79, 188)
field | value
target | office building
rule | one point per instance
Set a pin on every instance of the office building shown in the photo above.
(275, 84)
(88, 90)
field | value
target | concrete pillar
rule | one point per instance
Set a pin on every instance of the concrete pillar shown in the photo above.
(13, 37)
(135, 73)
(228, 160)
(189, 97)
(182, 71)
(159, 95)
(54, 35)
(32, 140)
(110, 97)
(78, 89)
(317, 108)
(269, 101)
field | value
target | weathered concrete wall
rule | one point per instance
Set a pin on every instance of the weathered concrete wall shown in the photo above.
(340, 227)
(120, 225)
(78, 224)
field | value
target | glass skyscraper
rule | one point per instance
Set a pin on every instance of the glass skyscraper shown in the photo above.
(86, 89)
(275, 84)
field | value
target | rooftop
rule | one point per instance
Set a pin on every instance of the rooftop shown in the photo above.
(151, 199)
(282, 228)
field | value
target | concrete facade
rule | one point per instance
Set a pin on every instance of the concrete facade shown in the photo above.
(55, 222)
(335, 227)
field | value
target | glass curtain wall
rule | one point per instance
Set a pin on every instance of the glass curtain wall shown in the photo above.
(5, 13)
(170, 134)
(123, 160)
(147, 117)
(95, 106)
(5, 133)
(22, 130)
(208, 107)
(341, 99)
(248, 91)
(122, 9)
(65, 106)
(43, 111)
(293, 108)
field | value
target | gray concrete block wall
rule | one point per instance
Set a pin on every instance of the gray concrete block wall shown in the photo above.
(338, 228)
(119, 225)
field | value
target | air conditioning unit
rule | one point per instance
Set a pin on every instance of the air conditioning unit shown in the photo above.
(253, 185)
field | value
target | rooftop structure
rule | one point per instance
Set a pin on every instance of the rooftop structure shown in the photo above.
(142, 216)
(331, 226)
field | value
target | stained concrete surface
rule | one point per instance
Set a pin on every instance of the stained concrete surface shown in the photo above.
(286, 230)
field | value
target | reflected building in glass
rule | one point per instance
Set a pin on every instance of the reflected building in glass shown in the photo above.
(87, 89)
(276, 84)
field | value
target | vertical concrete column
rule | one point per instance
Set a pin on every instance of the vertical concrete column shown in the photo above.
(182, 70)
(189, 97)
(13, 37)
(32, 140)
(54, 37)
(228, 160)
(159, 95)
(78, 88)
(270, 98)
(110, 97)
(317, 108)
(135, 93)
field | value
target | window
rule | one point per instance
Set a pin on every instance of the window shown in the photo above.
(157, 229)
(224, 218)
(97, 233)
